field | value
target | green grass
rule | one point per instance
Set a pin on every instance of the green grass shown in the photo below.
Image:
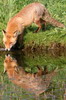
(57, 9)
(29, 63)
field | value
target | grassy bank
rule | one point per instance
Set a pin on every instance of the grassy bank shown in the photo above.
(9, 8)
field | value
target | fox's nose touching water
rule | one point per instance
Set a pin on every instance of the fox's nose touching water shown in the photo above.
(32, 13)
(7, 49)
(9, 40)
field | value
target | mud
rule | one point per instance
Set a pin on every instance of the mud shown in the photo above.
(41, 48)
(53, 47)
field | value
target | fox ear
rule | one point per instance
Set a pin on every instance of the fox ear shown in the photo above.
(4, 32)
(16, 33)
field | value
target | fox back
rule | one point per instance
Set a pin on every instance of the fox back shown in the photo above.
(32, 13)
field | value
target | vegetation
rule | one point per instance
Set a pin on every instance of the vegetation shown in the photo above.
(9, 8)
(29, 63)
(57, 8)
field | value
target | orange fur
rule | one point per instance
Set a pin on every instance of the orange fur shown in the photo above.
(32, 13)
(35, 83)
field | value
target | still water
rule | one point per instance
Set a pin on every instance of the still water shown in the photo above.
(25, 76)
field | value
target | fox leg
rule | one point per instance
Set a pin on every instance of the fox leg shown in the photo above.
(39, 24)
(43, 22)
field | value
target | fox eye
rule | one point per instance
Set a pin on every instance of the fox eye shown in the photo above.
(10, 42)
(14, 36)
(5, 61)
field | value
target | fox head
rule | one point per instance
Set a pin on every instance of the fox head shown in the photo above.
(10, 63)
(9, 40)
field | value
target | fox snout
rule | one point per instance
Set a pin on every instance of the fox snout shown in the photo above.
(9, 45)
(7, 49)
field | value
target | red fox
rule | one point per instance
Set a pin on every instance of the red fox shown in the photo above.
(32, 13)
(34, 83)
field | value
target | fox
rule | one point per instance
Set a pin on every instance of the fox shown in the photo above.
(32, 13)
(33, 82)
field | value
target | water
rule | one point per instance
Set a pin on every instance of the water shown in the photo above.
(25, 76)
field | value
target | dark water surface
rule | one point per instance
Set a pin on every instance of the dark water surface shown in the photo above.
(32, 76)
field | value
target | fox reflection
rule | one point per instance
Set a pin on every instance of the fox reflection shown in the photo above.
(35, 83)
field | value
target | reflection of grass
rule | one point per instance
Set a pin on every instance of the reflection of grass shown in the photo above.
(1, 62)
(43, 61)
(1, 42)
(9, 8)
(57, 83)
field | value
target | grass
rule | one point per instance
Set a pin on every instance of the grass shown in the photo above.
(57, 8)
(30, 62)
